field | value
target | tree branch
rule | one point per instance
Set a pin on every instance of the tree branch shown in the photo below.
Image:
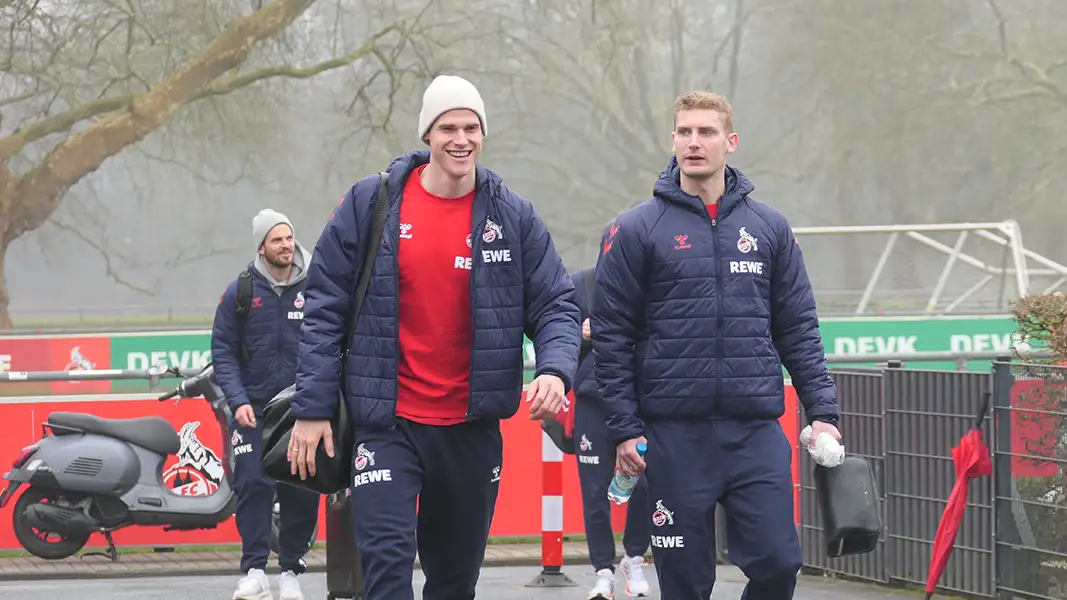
(225, 86)
(15, 142)
(109, 267)
(1042, 83)
(39, 192)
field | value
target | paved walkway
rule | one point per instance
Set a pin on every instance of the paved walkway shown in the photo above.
(224, 563)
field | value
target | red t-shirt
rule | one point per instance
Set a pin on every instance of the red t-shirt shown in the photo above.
(713, 209)
(435, 307)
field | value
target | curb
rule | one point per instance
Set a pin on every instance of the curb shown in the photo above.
(87, 573)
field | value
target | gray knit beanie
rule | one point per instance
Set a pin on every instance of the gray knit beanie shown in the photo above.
(266, 220)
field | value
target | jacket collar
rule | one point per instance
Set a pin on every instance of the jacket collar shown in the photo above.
(669, 189)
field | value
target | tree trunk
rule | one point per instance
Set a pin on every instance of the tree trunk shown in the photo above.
(5, 298)
(7, 188)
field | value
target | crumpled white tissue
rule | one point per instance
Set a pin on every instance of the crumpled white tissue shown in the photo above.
(827, 452)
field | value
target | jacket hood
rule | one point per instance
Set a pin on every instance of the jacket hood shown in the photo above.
(669, 188)
(402, 166)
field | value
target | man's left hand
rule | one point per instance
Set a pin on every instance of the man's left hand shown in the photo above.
(547, 397)
(820, 427)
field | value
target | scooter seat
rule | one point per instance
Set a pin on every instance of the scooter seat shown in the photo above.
(153, 433)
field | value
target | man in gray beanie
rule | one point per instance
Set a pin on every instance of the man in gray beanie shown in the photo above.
(465, 267)
(254, 344)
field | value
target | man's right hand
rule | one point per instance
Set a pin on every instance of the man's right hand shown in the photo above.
(304, 444)
(627, 459)
(246, 417)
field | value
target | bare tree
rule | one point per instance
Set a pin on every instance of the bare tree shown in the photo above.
(82, 80)
(1002, 79)
(598, 86)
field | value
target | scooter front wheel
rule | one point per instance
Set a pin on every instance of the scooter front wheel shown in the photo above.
(43, 544)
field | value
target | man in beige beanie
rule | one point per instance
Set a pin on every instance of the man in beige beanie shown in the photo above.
(465, 267)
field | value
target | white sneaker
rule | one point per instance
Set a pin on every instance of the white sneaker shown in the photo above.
(605, 586)
(633, 573)
(289, 587)
(253, 586)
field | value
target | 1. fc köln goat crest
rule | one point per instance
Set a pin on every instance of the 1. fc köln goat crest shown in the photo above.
(198, 471)
(492, 232)
(746, 242)
(662, 516)
(364, 458)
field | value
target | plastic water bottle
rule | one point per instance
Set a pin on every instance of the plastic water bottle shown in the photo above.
(622, 485)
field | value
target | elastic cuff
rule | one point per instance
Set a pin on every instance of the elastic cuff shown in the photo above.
(298, 568)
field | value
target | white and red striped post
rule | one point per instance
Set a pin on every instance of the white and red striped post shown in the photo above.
(551, 518)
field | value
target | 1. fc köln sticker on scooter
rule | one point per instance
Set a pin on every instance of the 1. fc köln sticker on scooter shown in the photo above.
(198, 470)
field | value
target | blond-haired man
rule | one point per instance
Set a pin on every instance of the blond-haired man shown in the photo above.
(701, 297)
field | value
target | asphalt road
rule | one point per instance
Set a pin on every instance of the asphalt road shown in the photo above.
(502, 583)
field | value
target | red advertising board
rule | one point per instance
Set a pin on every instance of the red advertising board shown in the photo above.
(79, 353)
(518, 511)
(23, 354)
(1036, 424)
(55, 354)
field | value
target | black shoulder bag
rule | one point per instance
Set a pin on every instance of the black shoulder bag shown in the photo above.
(331, 474)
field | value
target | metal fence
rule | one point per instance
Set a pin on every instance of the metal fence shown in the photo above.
(1013, 538)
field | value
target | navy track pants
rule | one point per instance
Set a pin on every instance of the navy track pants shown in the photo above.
(596, 467)
(746, 467)
(428, 489)
(298, 508)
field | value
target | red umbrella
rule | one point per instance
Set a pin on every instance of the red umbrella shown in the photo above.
(972, 461)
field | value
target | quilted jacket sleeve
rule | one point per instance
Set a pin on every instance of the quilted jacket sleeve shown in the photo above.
(552, 317)
(331, 277)
(795, 329)
(618, 311)
(225, 344)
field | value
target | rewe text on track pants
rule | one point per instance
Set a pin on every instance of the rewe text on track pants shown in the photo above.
(746, 467)
(453, 473)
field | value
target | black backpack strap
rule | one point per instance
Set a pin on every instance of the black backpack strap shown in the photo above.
(244, 305)
(589, 279)
(370, 253)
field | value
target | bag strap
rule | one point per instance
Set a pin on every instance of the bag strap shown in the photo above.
(244, 304)
(588, 281)
(589, 278)
(374, 242)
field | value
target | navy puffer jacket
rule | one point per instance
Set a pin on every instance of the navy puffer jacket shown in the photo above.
(270, 332)
(530, 292)
(693, 318)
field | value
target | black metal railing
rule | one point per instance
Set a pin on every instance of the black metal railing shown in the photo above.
(1013, 538)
